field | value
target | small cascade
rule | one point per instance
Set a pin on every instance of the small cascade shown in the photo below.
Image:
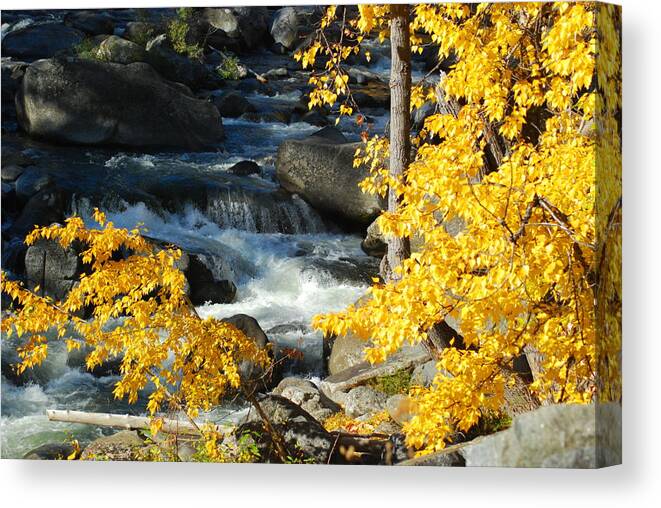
(262, 212)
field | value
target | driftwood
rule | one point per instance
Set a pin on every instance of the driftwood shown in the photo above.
(127, 422)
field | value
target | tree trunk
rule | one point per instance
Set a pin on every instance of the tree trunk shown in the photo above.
(400, 121)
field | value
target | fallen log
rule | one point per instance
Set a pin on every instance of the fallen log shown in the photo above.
(127, 422)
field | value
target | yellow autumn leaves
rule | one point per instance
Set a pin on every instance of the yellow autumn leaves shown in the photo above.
(521, 233)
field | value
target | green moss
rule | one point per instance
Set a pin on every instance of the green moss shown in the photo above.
(393, 384)
(88, 50)
(177, 33)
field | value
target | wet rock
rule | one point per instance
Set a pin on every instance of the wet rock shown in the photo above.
(314, 117)
(204, 287)
(98, 103)
(322, 173)
(330, 135)
(31, 181)
(51, 267)
(11, 173)
(361, 76)
(42, 209)
(90, 22)
(299, 327)
(40, 41)
(562, 436)
(245, 168)
(50, 451)
(233, 105)
(110, 367)
(277, 73)
(364, 400)
(118, 50)
(12, 74)
(124, 445)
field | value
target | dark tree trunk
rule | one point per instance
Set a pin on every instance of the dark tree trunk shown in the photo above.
(400, 120)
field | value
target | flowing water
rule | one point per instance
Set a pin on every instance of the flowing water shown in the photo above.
(273, 246)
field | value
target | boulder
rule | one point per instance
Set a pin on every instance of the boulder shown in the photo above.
(233, 105)
(50, 451)
(306, 394)
(322, 173)
(31, 181)
(139, 32)
(314, 117)
(284, 27)
(423, 375)
(98, 103)
(118, 50)
(124, 445)
(363, 400)
(51, 267)
(204, 287)
(42, 209)
(40, 41)
(11, 173)
(90, 22)
(559, 436)
(346, 352)
(245, 168)
(343, 271)
(374, 244)
(12, 74)
(238, 28)
(176, 67)
(305, 438)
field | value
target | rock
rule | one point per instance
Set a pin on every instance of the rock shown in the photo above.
(51, 267)
(12, 74)
(124, 445)
(346, 352)
(203, 286)
(248, 370)
(11, 173)
(304, 436)
(176, 67)
(90, 22)
(335, 385)
(423, 375)
(40, 41)
(400, 408)
(50, 451)
(42, 209)
(118, 50)
(31, 181)
(277, 73)
(322, 173)
(330, 135)
(364, 400)
(238, 28)
(110, 367)
(372, 95)
(361, 76)
(314, 117)
(296, 327)
(561, 436)
(374, 243)
(284, 28)
(139, 32)
(98, 103)
(233, 105)
(343, 271)
(245, 168)
(306, 394)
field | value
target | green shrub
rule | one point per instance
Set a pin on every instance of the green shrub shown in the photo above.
(88, 50)
(177, 33)
(229, 68)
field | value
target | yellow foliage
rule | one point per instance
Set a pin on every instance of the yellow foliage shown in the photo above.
(139, 311)
(536, 261)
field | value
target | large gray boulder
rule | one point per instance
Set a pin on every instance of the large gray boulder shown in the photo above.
(364, 400)
(562, 436)
(284, 27)
(40, 41)
(321, 171)
(305, 394)
(238, 28)
(348, 350)
(97, 103)
(52, 268)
